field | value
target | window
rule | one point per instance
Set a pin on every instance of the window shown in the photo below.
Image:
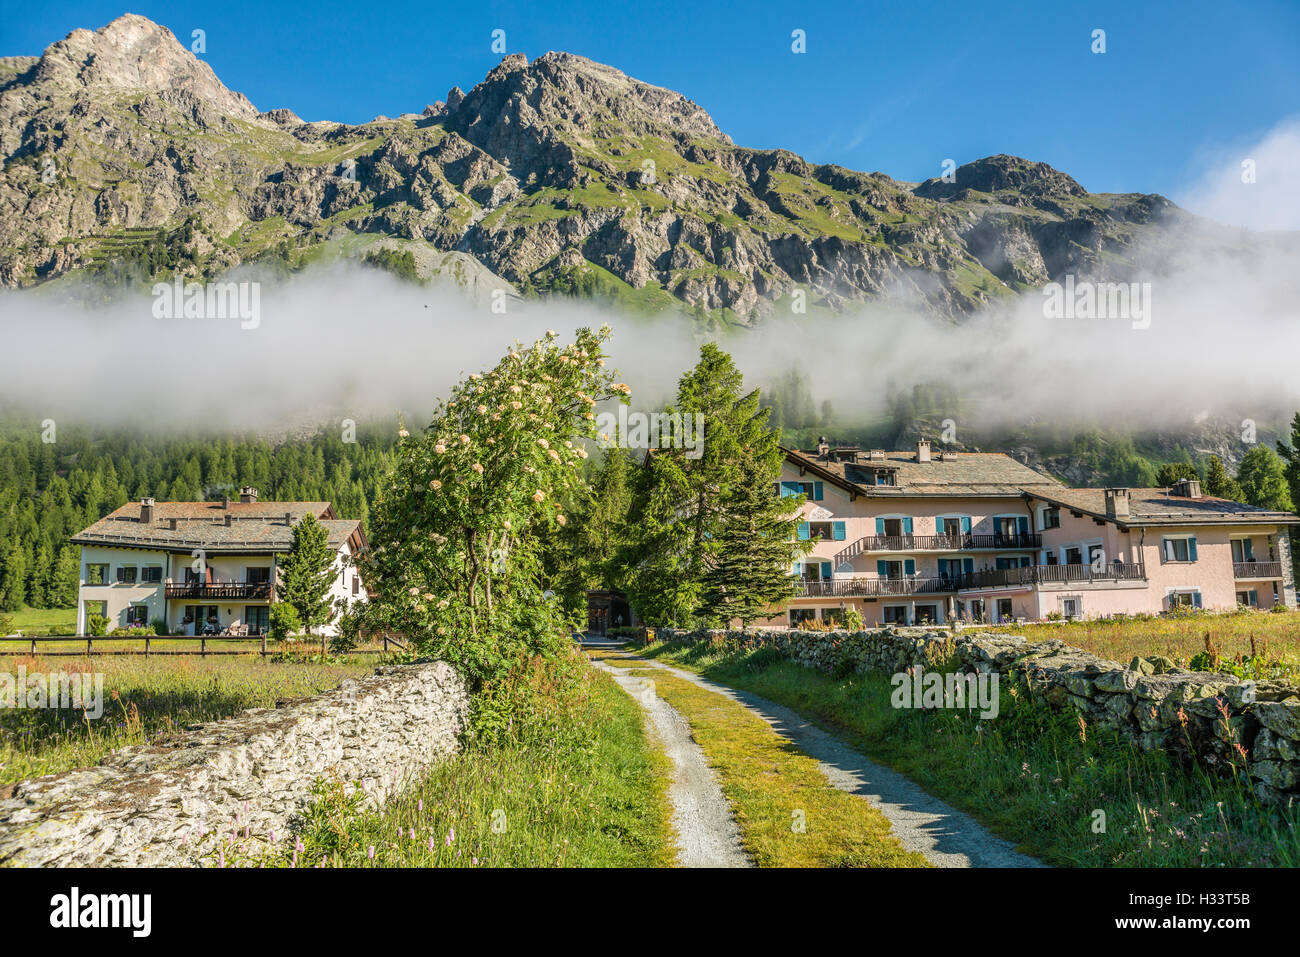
(834, 616)
(1182, 549)
(823, 531)
(895, 615)
(1242, 550)
(800, 615)
(356, 584)
(1050, 517)
(137, 615)
(927, 614)
(952, 526)
(1184, 599)
(814, 571)
(126, 574)
(811, 490)
(96, 574)
(257, 575)
(257, 617)
(1074, 556)
(151, 574)
(1248, 598)
(1072, 607)
(976, 607)
(99, 608)
(1005, 612)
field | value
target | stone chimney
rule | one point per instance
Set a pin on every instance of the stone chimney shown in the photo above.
(225, 502)
(229, 519)
(173, 524)
(1187, 488)
(1117, 502)
(288, 519)
(923, 450)
(146, 511)
(247, 495)
(823, 447)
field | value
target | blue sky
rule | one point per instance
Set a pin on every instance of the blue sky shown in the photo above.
(891, 86)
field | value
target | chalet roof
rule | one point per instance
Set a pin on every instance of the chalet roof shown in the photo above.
(963, 474)
(254, 526)
(1158, 506)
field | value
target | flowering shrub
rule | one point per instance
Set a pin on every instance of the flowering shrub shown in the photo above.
(456, 552)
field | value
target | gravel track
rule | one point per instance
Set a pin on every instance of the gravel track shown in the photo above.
(707, 835)
(922, 823)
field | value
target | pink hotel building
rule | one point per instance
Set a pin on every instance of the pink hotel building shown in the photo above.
(914, 537)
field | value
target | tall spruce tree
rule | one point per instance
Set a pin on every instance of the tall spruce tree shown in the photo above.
(1262, 480)
(1291, 459)
(713, 537)
(1219, 483)
(309, 573)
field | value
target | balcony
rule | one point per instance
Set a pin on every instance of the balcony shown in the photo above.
(221, 591)
(937, 543)
(1243, 570)
(872, 587)
(1050, 574)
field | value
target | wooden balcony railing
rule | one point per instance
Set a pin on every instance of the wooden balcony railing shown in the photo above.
(937, 543)
(1039, 574)
(1256, 569)
(872, 587)
(221, 591)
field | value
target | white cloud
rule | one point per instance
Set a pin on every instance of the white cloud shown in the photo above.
(1272, 201)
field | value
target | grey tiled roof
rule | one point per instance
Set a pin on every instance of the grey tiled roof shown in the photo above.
(963, 474)
(1156, 506)
(254, 526)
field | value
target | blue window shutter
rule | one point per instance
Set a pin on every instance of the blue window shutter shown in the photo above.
(1191, 555)
(1196, 599)
(817, 491)
(880, 526)
(1022, 523)
(907, 526)
(826, 571)
(965, 524)
(909, 566)
(837, 531)
(803, 531)
(968, 565)
(882, 568)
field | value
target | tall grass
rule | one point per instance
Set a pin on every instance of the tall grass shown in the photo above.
(145, 698)
(568, 779)
(1035, 776)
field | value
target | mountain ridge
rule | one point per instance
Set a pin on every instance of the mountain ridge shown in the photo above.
(559, 174)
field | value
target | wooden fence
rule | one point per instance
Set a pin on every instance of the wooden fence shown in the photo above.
(150, 640)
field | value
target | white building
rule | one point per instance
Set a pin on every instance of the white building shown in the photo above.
(202, 566)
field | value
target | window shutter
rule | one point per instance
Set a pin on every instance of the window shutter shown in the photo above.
(882, 568)
(826, 571)
(1022, 523)
(965, 524)
(121, 573)
(909, 566)
(880, 526)
(817, 491)
(1196, 599)
(803, 531)
(837, 531)
(1166, 550)
(968, 565)
(907, 526)
(1191, 556)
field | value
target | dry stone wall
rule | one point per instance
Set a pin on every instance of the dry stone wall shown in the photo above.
(1220, 718)
(171, 803)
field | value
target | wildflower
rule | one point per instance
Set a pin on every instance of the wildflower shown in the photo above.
(464, 440)
(435, 484)
(440, 448)
(477, 467)
(442, 604)
(420, 803)
(414, 591)
(402, 433)
(622, 387)
(515, 390)
(538, 495)
(371, 853)
(481, 409)
(543, 443)
(428, 596)
(516, 405)
(561, 519)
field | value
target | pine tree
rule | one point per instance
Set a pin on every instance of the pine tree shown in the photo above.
(1219, 483)
(1291, 459)
(1262, 480)
(1171, 472)
(309, 573)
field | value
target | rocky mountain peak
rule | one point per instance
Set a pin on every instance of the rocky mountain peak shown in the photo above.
(994, 173)
(134, 53)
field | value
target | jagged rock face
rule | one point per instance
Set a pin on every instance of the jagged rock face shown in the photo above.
(544, 171)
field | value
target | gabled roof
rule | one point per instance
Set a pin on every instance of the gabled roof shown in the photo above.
(1158, 506)
(964, 474)
(254, 527)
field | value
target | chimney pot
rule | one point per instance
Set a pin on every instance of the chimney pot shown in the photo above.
(225, 502)
(173, 524)
(1187, 488)
(229, 519)
(146, 511)
(923, 450)
(1117, 501)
